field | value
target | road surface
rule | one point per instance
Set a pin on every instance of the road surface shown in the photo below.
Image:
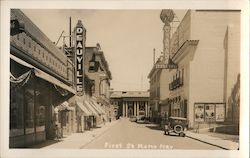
(132, 135)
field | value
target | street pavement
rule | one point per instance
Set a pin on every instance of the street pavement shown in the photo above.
(123, 134)
(132, 135)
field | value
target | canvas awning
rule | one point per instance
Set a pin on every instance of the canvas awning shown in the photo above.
(64, 107)
(97, 106)
(41, 74)
(84, 109)
(90, 108)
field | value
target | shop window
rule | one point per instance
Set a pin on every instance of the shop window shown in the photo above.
(16, 112)
(40, 109)
(29, 109)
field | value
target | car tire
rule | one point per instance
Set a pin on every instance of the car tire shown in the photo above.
(178, 129)
(182, 134)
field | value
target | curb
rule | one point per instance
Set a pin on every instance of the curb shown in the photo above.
(82, 146)
(208, 142)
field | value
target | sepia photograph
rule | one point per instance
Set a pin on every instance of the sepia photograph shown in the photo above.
(160, 79)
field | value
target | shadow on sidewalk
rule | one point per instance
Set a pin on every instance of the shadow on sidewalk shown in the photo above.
(155, 127)
(45, 143)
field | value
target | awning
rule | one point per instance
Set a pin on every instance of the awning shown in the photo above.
(97, 106)
(90, 108)
(84, 109)
(41, 74)
(64, 107)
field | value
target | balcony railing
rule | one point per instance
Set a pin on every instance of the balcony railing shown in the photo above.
(178, 82)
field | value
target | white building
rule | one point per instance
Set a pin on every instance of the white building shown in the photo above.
(206, 47)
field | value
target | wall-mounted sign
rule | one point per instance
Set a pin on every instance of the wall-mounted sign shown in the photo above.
(169, 65)
(79, 58)
(165, 66)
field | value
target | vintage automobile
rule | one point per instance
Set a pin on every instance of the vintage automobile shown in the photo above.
(133, 119)
(176, 125)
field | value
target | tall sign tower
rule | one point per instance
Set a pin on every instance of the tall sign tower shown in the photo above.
(167, 16)
(80, 39)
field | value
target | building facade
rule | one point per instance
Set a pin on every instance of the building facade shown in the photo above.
(38, 70)
(131, 103)
(98, 71)
(206, 48)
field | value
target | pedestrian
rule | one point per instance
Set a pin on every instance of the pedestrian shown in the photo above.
(103, 120)
(57, 132)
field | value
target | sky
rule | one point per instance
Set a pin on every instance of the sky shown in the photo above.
(127, 38)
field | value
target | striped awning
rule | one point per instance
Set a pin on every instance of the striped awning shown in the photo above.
(97, 107)
(90, 108)
(84, 109)
(64, 107)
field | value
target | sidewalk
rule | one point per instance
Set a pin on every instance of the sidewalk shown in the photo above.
(76, 140)
(224, 141)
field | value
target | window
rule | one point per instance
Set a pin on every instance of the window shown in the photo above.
(17, 36)
(29, 45)
(29, 109)
(16, 112)
(24, 40)
(34, 48)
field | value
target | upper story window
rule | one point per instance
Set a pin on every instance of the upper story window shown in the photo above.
(177, 81)
(24, 42)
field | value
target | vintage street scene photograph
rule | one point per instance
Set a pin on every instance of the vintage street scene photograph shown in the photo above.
(163, 79)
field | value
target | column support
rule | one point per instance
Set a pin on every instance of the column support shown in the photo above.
(138, 108)
(126, 109)
(123, 109)
(146, 109)
(134, 105)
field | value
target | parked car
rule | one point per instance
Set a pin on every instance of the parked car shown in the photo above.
(133, 119)
(176, 125)
(140, 119)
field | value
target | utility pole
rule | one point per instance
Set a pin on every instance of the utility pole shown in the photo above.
(154, 57)
(70, 42)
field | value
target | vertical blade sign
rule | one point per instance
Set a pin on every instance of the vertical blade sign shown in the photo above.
(80, 58)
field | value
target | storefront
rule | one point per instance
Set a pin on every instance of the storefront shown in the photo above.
(64, 114)
(31, 115)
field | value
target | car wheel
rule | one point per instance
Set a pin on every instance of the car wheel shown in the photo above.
(178, 129)
(182, 134)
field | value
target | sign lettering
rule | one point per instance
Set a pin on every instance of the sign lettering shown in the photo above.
(79, 59)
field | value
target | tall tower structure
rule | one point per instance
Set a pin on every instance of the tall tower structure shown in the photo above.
(167, 16)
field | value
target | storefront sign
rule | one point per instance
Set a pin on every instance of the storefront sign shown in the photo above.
(220, 112)
(199, 113)
(79, 58)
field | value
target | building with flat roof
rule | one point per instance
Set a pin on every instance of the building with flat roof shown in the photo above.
(131, 103)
